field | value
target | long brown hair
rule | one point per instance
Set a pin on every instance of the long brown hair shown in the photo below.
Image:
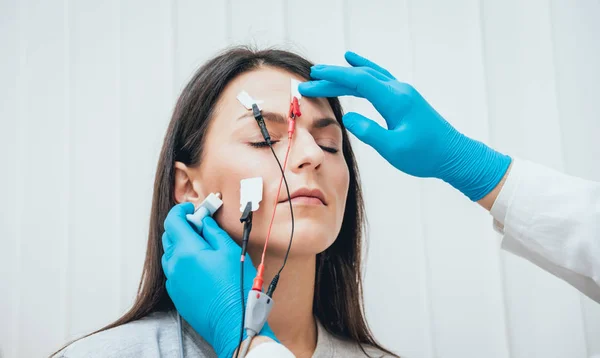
(338, 300)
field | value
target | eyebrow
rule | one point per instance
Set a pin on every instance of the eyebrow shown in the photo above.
(281, 119)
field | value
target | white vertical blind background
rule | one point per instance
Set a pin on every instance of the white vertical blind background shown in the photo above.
(86, 93)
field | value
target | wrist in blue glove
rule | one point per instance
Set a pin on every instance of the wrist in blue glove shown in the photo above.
(203, 278)
(417, 141)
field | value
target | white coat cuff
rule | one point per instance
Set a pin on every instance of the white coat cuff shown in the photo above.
(505, 197)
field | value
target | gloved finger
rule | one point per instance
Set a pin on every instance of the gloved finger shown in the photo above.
(356, 60)
(367, 130)
(177, 226)
(357, 79)
(170, 288)
(167, 265)
(167, 244)
(324, 89)
(350, 71)
(216, 237)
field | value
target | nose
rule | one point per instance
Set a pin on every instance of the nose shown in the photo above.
(305, 152)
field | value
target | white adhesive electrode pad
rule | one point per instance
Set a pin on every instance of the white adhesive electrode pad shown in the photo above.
(294, 89)
(251, 190)
(246, 100)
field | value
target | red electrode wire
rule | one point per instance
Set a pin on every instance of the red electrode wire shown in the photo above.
(293, 113)
(262, 260)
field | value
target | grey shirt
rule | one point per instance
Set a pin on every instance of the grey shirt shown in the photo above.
(157, 336)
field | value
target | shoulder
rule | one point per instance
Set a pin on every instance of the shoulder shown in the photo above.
(329, 345)
(133, 339)
(156, 335)
(345, 348)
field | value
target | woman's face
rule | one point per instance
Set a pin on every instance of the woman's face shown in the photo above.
(315, 162)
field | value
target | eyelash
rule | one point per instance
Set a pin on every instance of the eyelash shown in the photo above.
(265, 144)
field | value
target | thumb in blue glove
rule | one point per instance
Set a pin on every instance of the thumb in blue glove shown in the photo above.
(417, 141)
(203, 279)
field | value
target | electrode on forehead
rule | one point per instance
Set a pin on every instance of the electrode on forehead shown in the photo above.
(294, 88)
(251, 191)
(247, 101)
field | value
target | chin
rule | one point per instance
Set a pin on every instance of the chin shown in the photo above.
(308, 239)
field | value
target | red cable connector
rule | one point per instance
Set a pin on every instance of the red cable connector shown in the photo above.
(294, 108)
(258, 280)
(293, 113)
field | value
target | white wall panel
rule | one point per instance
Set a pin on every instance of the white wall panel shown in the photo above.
(315, 29)
(146, 94)
(10, 96)
(465, 288)
(258, 23)
(41, 189)
(576, 59)
(200, 29)
(393, 200)
(95, 130)
(87, 90)
(525, 122)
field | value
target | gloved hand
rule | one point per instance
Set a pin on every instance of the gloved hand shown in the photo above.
(203, 279)
(417, 141)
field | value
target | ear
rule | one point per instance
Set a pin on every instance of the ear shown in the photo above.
(187, 187)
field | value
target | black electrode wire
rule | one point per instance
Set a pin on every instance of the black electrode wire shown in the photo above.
(263, 129)
(273, 284)
(247, 220)
(287, 189)
(243, 309)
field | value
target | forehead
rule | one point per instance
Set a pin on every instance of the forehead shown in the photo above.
(270, 85)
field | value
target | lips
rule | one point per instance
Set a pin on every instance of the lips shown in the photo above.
(306, 193)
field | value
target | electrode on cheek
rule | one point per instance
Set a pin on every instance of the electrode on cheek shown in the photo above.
(250, 197)
(251, 191)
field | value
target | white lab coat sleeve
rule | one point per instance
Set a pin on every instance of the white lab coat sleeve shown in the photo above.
(270, 350)
(552, 220)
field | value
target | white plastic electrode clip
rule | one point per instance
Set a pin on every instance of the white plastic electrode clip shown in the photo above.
(208, 207)
(251, 190)
(258, 308)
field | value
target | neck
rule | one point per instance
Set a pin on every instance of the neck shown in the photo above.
(292, 318)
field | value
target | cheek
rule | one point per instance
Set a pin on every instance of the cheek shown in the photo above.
(228, 218)
(223, 172)
(339, 179)
(342, 180)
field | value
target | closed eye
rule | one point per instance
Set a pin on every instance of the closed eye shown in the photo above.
(265, 144)
(329, 149)
(262, 144)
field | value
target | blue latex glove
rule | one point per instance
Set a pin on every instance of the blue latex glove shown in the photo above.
(203, 279)
(417, 141)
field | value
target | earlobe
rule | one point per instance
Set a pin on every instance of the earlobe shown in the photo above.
(186, 189)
